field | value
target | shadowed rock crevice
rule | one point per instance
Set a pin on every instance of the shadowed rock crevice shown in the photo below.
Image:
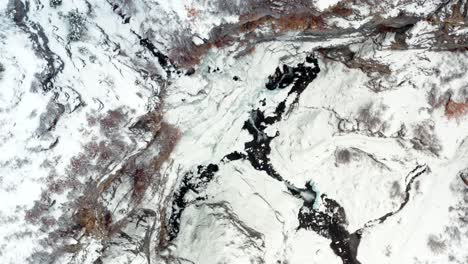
(410, 178)
(55, 64)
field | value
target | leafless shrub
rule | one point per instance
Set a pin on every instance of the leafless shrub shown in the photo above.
(77, 27)
(342, 156)
(299, 22)
(6, 219)
(2, 69)
(48, 120)
(451, 13)
(93, 218)
(454, 109)
(435, 99)
(395, 190)
(80, 165)
(371, 66)
(388, 250)
(264, 7)
(425, 139)
(463, 175)
(453, 232)
(341, 9)
(463, 94)
(41, 257)
(112, 121)
(55, 3)
(37, 213)
(369, 119)
(185, 53)
(436, 244)
(295, 15)
(145, 169)
(150, 122)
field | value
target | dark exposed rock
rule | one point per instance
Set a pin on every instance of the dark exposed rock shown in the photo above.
(48, 120)
(55, 3)
(162, 59)
(259, 148)
(463, 174)
(55, 65)
(234, 156)
(77, 27)
(190, 71)
(191, 182)
(425, 138)
(281, 79)
(330, 224)
(342, 156)
(400, 23)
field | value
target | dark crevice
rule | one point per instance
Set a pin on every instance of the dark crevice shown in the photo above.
(120, 12)
(162, 59)
(146, 43)
(55, 65)
(412, 176)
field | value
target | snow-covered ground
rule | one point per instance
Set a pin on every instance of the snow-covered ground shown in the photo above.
(342, 141)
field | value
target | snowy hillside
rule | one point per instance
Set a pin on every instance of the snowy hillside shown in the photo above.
(221, 131)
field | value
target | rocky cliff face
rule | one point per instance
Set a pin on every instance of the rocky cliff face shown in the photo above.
(216, 131)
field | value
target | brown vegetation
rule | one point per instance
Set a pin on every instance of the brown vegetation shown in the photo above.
(93, 221)
(90, 183)
(425, 139)
(351, 60)
(455, 110)
(341, 10)
(192, 12)
(299, 22)
(186, 54)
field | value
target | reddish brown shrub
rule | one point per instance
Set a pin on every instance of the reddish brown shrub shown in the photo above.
(150, 122)
(80, 165)
(89, 186)
(188, 55)
(340, 10)
(191, 12)
(34, 214)
(299, 22)
(112, 121)
(90, 215)
(455, 110)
